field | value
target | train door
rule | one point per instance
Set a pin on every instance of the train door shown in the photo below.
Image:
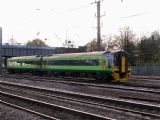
(123, 64)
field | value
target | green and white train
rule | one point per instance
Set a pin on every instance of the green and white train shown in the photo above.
(100, 65)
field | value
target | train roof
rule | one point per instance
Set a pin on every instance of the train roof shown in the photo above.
(75, 54)
(83, 54)
(65, 55)
(25, 58)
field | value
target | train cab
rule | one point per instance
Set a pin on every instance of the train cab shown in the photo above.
(119, 63)
(121, 68)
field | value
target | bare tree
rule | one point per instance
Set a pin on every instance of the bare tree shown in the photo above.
(109, 42)
(12, 41)
(92, 46)
(126, 41)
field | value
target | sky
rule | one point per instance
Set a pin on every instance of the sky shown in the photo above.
(58, 20)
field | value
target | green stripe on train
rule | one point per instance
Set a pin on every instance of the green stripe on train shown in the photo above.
(77, 68)
(72, 67)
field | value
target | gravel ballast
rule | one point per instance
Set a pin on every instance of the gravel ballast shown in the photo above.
(9, 113)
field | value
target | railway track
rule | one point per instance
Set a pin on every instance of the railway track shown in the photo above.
(30, 101)
(139, 81)
(94, 83)
(85, 81)
(113, 103)
(151, 80)
(125, 92)
(133, 82)
(147, 77)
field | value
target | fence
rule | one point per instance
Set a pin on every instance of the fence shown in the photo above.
(146, 70)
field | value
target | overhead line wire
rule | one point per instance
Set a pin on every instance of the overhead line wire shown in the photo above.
(78, 8)
(134, 15)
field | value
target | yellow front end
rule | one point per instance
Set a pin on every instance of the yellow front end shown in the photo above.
(123, 71)
(117, 76)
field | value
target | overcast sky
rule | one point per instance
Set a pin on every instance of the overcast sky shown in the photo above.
(75, 20)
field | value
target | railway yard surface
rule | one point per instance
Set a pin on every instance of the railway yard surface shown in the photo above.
(28, 97)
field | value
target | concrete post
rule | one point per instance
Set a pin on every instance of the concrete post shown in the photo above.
(0, 50)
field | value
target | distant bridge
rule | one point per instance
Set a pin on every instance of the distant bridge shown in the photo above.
(23, 50)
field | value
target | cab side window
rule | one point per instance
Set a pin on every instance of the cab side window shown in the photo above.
(110, 60)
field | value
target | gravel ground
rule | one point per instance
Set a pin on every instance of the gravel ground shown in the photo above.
(9, 113)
